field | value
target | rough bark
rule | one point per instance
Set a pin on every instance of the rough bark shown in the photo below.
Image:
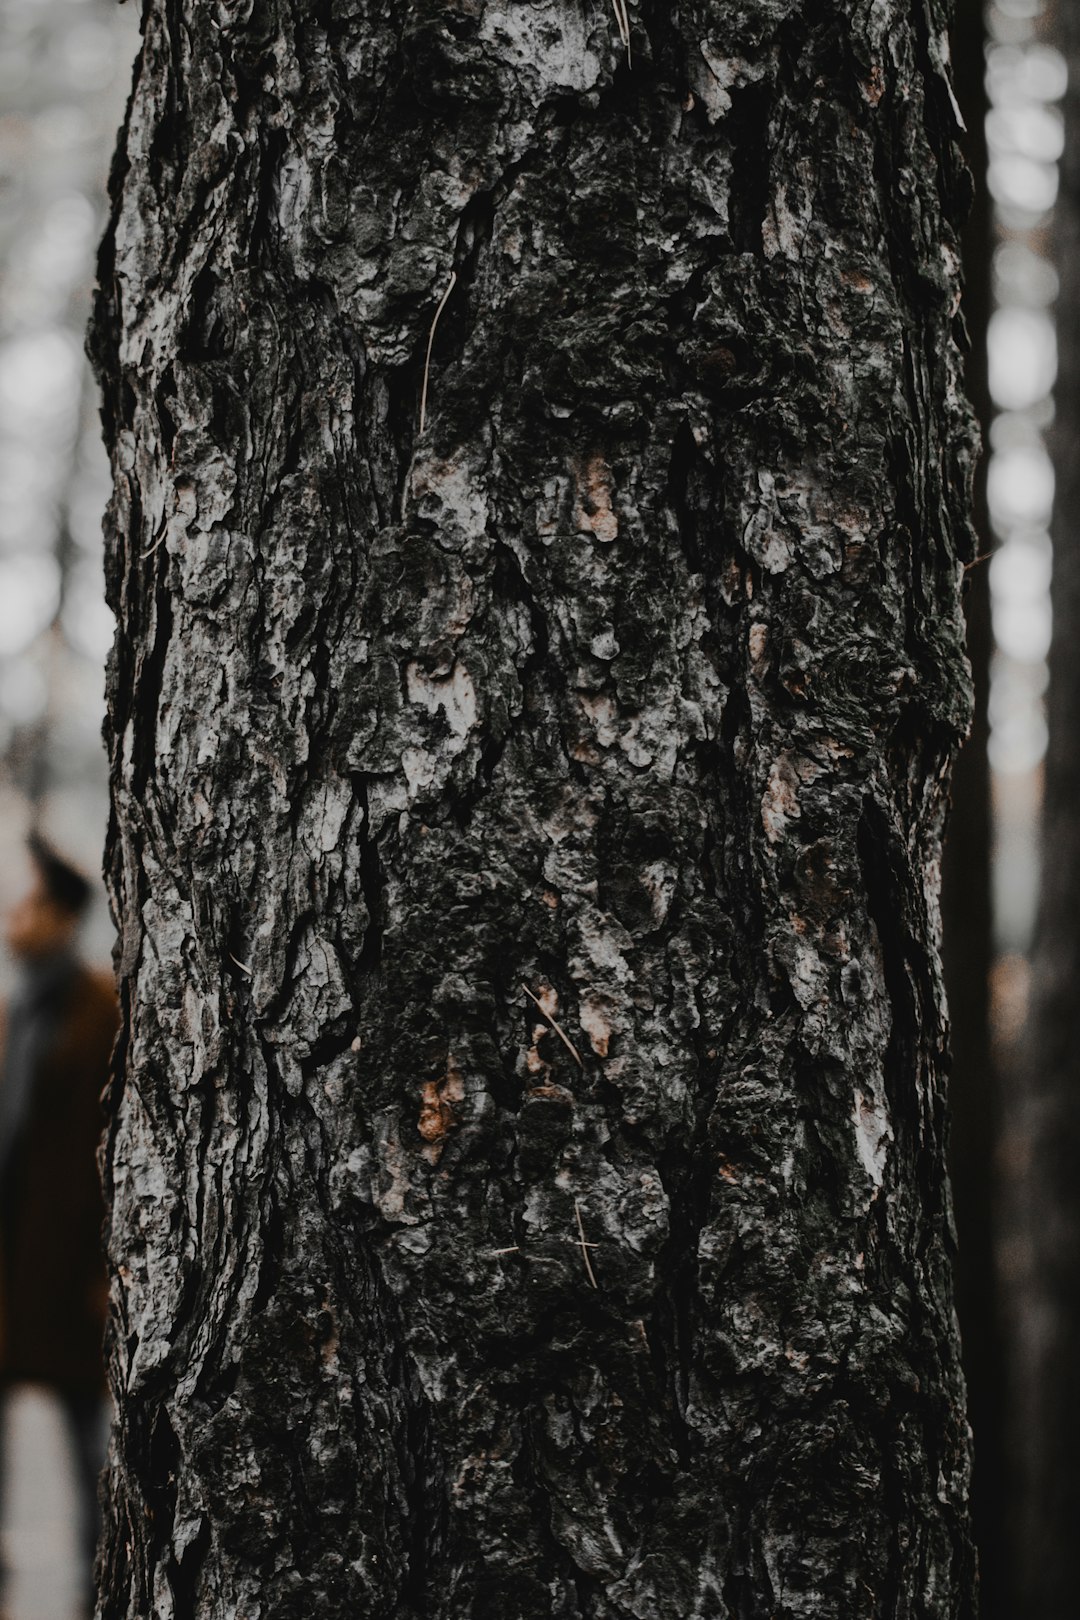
(631, 684)
(1051, 1203)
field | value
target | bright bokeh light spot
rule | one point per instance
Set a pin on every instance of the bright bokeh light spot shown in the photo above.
(1025, 74)
(58, 251)
(23, 692)
(60, 128)
(1023, 277)
(1018, 742)
(29, 592)
(1019, 8)
(88, 623)
(27, 478)
(39, 377)
(1017, 723)
(1020, 569)
(1035, 132)
(1023, 358)
(1025, 138)
(1023, 183)
(1020, 487)
(86, 506)
(88, 55)
(1022, 628)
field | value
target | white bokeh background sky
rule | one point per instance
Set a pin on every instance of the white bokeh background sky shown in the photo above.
(65, 68)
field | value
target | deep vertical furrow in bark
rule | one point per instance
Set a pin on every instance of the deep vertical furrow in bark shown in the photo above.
(528, 1161)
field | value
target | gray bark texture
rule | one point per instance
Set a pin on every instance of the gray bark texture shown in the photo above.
(1049, 1350)
(527, 1152)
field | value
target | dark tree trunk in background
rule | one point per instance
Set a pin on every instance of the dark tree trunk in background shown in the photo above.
(631, 685)
(974, 1088)
(1051, 1354)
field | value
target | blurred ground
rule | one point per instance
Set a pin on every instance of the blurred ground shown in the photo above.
(37, 1521)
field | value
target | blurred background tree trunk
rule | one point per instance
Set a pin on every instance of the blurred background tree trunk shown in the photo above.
(541, 496)
(968, 943)
(1050, 1353)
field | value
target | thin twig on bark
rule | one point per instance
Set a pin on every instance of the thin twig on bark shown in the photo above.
(450, 285)
(622, 18)
(584, 1246)
(567, 1042)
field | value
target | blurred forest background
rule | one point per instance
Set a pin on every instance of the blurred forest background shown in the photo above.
(64, 73)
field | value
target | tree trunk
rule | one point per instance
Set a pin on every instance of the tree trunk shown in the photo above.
(1051, 1350)
(528, 772)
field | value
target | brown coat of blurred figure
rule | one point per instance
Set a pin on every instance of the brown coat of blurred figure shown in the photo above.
(52, 1270)
(56, 1037)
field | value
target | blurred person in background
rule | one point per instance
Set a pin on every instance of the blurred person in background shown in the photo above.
(56, 1037)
